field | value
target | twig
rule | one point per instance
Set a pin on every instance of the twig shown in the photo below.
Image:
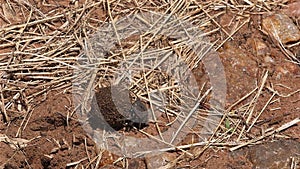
(281, 128)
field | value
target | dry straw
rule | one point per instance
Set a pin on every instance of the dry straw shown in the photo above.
(39, 53)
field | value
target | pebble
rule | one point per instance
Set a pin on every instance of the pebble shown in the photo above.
(269, 59)
(272, 155)
(260, 47)
(280, 26)
(156, 161)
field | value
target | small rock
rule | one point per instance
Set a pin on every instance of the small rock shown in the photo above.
(241, 68)
(261, 49)
(286, 68)
(156, 161)
(269, 59)
(272, 155)
(281, 27)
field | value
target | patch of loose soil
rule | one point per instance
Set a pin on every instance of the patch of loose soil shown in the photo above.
(57, 142)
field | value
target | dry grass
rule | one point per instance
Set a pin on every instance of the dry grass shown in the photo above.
(41, 51)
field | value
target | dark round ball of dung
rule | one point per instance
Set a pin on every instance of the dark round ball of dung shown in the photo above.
(115, 112)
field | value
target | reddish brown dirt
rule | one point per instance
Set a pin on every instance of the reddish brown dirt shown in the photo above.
(60, 141)
(58, 144)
